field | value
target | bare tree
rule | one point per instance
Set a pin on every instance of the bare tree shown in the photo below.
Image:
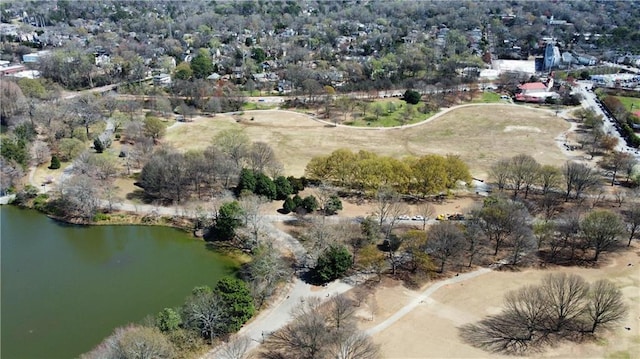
(618, 161)
(133, 342)
(549, 177)
(500, 172)
(601, 230)
(305, 337)
(564, 296)
(203, 312)
(355, 346)
(261, 157)
(445, 241)
(562, 306)
(341, 311)
(522, 241)
(569, 230)
(265, 271)
(386, 201)
(632, 217)
(475, 238)
(236, 347)
(426, 210)
(500, 218)
(235, 143)
(79, 197)
(578, 178)
(253, 220)
(522, 172)
(605, 305)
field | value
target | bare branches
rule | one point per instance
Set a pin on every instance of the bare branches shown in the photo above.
(321, 332)
(564, 306)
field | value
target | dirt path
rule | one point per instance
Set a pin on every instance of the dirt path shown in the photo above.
(423, 297)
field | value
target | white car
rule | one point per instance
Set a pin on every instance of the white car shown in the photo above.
(418, 218)
(404, 217)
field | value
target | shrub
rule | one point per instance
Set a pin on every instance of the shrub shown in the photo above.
(333, 263)
(412, 97)
(55, 163)
(98, 145)
(289, 205)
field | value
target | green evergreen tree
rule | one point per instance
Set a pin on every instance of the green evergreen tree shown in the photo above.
(98, 145)
(309, 204)
(247, 181)
(168, 320)
(283, 187)
(265, 186)
(333, 263)
(55, 163)
(236, 298)
(289, 205)
(227, 221)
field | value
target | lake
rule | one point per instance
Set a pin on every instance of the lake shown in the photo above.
(66, 287)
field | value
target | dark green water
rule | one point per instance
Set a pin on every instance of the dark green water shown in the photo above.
(65, 288)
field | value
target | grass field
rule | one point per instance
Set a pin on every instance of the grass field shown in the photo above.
(629, 101)
(478, 134)
(487, 97)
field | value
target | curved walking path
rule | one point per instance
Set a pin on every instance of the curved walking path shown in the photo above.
(422, 297)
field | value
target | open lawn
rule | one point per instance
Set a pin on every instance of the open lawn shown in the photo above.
(630, 101)
(430, 330)
(479, 134)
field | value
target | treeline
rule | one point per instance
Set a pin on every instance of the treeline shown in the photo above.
(562, 307)
(170, 176)
(367, 171)
(626, 120)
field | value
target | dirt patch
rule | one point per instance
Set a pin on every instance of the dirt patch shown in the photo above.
(430, 331)
(522, 128)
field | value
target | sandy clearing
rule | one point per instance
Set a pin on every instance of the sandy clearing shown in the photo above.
(429, 331)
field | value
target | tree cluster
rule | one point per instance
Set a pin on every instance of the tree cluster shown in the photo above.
(562, 307)
(366, 171)
(172, 176)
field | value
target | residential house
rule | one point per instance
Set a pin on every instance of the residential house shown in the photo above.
(535, 92)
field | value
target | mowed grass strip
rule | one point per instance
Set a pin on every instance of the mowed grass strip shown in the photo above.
(630, 101)
(478, 134)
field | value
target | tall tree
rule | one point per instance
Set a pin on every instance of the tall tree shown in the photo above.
(445, 241)
(601, 230)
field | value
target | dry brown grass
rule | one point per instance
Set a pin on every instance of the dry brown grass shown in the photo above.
(478, 134)
(430, 330)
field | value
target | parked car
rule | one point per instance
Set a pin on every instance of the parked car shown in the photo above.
(456, 217)
(418, 218)
(404, 217)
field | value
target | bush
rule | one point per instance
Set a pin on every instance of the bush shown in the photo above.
(98, 217)
(412, 97)
(55, 163)
(283, 188)
(333, 205)
(333, 263)
(309, 204)
(289, 205)
(265, 186)
(98, 145)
